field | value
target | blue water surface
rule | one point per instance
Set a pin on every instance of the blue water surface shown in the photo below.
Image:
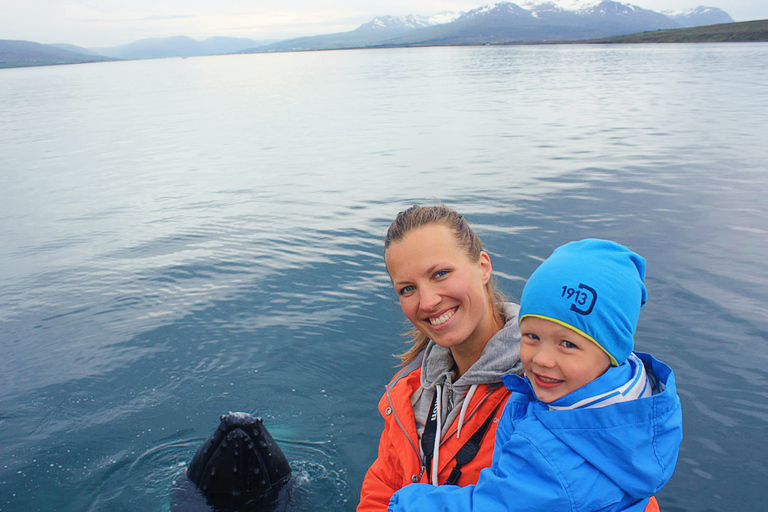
(184, 237)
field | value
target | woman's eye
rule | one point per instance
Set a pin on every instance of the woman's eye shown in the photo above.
(405, 290)
(441, 273)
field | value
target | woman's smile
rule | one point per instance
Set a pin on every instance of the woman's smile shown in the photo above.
(443, 318)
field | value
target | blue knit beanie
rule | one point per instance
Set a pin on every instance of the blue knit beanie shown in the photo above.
(594, 287)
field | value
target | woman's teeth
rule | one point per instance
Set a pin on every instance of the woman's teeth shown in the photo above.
(442, 318)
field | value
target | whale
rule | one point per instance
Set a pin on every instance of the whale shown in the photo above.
(238, 468)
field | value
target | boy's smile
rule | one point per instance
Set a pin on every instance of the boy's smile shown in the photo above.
(558, 360)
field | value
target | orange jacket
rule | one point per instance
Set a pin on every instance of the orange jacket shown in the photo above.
(399, 462)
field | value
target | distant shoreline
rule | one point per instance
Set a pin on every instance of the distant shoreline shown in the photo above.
(738, 32)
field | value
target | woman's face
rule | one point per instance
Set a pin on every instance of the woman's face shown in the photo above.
(442, 291)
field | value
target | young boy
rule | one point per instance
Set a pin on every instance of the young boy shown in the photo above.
(592, 425)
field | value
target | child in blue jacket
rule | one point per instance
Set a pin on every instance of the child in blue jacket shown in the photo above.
(592, 425)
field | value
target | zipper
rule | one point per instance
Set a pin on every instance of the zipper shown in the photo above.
(422, 461)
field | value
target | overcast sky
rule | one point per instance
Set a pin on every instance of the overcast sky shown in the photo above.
(94, 23)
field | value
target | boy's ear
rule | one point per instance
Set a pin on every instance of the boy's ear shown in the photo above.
(486, 267)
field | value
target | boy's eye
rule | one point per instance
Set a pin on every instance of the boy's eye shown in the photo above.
(405, 290)
(531, 336)
(568, 344)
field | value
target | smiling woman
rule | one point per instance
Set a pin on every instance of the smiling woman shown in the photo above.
(435, 242)
(443, 291)
(445, 401)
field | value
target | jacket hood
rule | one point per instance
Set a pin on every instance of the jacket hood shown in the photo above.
(635, 444)
(501, 356)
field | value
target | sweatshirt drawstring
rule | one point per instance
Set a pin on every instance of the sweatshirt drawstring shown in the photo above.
(438, 433)
(464, 406)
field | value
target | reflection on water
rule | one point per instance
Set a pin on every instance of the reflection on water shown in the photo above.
(185, 237)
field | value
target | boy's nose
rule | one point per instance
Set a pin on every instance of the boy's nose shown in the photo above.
(544, 357)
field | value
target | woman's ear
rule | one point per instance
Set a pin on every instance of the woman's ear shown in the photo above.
(485, 266)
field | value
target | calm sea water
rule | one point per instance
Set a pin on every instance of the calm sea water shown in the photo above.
(184, 237)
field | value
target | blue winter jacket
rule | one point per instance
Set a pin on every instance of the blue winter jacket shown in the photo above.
(608, 459)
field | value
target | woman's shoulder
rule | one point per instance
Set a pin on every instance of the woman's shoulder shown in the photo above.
(407, 372)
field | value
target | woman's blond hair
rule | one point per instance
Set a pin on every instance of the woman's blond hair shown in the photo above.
(417, 217)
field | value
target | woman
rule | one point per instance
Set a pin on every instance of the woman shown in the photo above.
(464, 339)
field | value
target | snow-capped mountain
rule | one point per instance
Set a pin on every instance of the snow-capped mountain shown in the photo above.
(541, 21)
(499, 9)
(444, 17)
(699, 16)
(389, 23)
(395, 23)
(538, 19)
(508, 22)
(572, 10)
(561, 5)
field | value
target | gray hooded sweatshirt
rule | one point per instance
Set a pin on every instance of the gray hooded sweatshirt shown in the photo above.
(501, 356)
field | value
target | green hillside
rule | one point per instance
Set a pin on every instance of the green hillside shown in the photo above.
(745, 31)
(14, 54)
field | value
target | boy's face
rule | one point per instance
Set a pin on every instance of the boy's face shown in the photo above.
(558, 360)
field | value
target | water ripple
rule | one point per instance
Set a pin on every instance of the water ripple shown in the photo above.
(164, 266)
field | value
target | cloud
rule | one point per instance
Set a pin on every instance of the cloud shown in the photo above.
(168, 17)
(83, 13)
(130, 20)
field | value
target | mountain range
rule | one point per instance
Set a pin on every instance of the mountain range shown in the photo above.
(508, 22)
(504, 22)
(178, 46)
